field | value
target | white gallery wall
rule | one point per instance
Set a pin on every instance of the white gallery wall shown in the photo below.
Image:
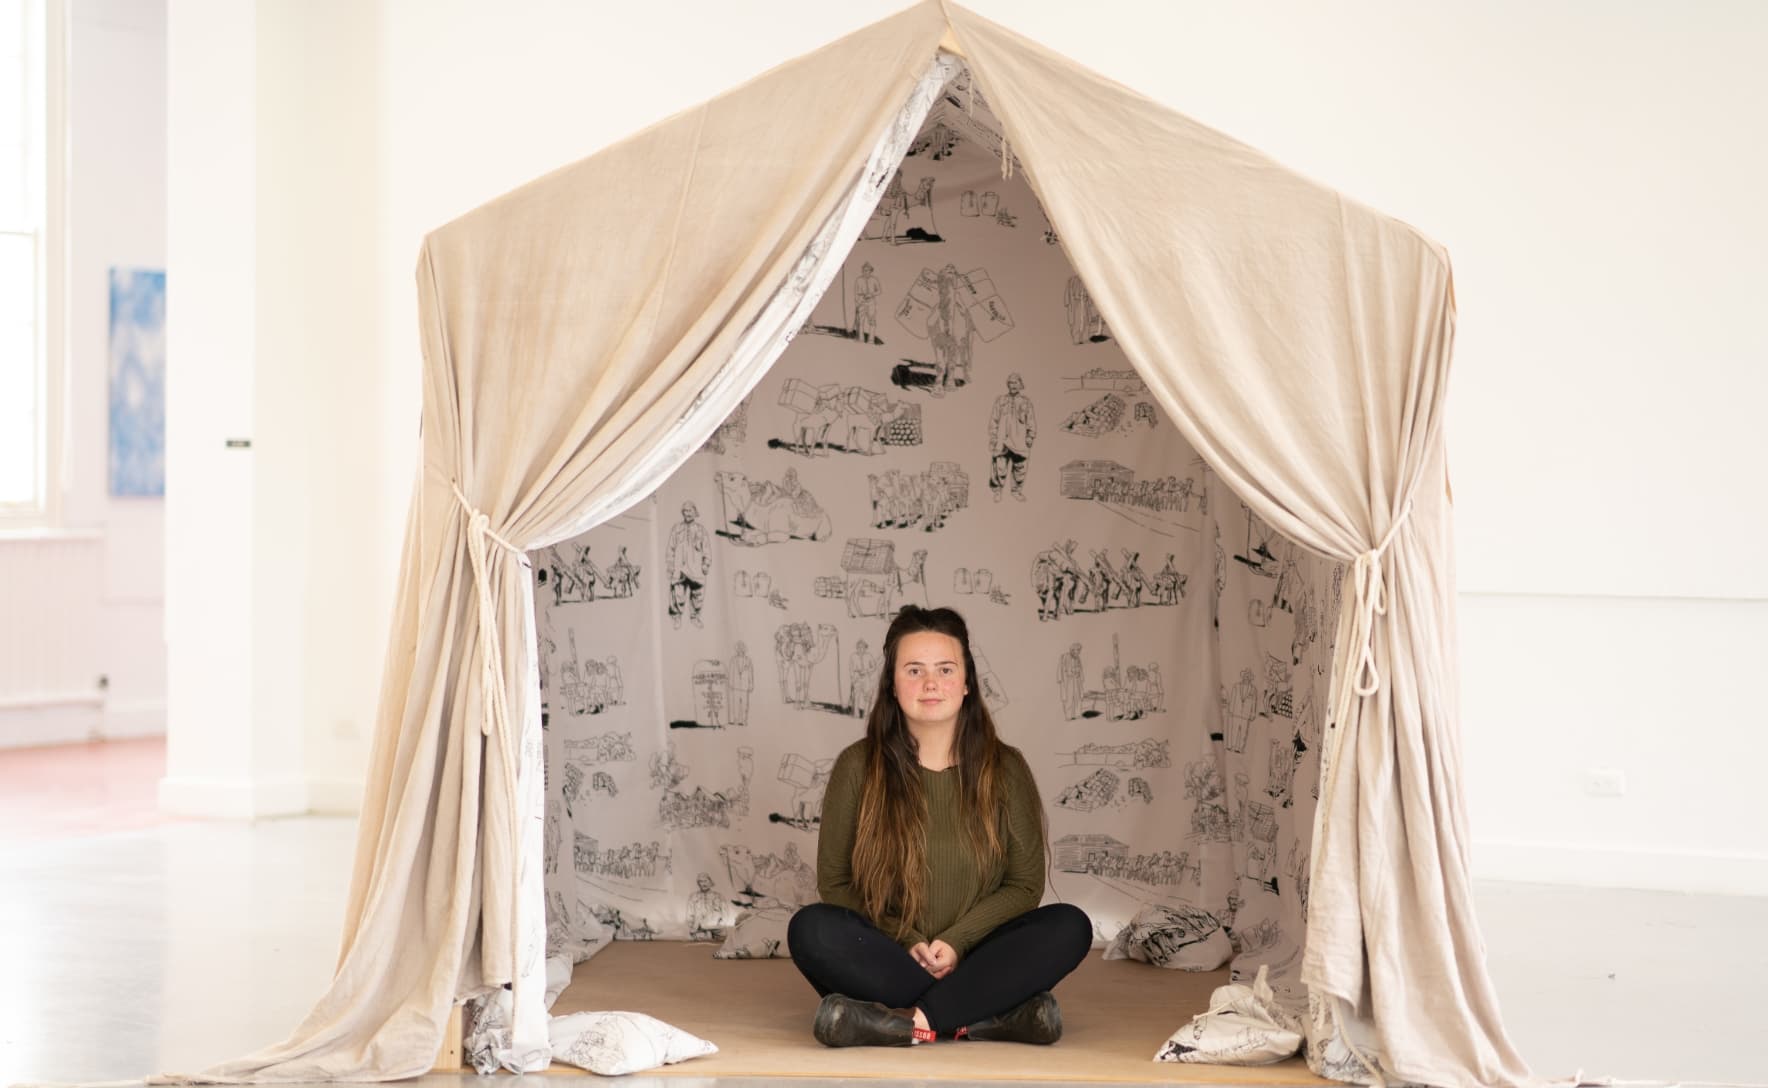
(117, 219)
(279, 587)
(1594, 170)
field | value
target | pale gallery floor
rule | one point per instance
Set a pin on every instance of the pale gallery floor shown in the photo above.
(169, 946)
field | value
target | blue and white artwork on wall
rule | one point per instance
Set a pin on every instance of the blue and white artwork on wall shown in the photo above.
(137, 381)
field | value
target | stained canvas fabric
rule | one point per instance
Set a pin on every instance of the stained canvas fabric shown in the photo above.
(1301, 342)
(586, 334)
(571, 360)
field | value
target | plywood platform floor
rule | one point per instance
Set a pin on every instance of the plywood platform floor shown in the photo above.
(1115, 1015)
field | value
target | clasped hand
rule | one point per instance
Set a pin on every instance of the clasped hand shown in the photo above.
(936, 956)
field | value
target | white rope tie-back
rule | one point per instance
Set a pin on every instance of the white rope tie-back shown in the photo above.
(1372, 602)
(479, 538)
(1363, 679)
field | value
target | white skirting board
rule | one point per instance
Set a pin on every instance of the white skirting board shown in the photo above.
(1710, 872)
(28, 722)
(334, 796)
(37, 722)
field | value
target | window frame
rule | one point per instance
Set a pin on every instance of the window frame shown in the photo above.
(46, 21)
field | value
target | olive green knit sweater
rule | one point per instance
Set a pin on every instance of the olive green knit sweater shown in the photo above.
(963, 901)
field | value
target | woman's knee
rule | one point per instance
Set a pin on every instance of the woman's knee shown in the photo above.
(810, 928)
(1073, 929)
(806, 922)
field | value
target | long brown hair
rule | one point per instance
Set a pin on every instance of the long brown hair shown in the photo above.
(890, 846)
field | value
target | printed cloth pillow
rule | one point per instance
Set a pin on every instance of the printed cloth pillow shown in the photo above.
(758, 935)
(613, 1043)
(1244, 1026)
(1182, 938)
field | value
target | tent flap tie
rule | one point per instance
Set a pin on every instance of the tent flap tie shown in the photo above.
(1371, 601)
(479, 537)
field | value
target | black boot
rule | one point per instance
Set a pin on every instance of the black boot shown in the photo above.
(844, 1021)
(1037, 1020)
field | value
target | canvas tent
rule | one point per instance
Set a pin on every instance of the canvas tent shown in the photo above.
(586, 334)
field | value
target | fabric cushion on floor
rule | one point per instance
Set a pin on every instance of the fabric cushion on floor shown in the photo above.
(614, 1043)
(1182, 938)
(1115, 1015)
(758, 934)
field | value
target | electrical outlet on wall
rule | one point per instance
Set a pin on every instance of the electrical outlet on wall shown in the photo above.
(1605, 782)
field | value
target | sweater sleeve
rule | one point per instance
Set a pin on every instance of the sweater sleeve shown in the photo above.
(1022, 887)
(835, 837)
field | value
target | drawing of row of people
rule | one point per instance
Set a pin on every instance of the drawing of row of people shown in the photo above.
(1063, 586)
(1164, 867)
(679, 811)
(574, 580)
(630, 862)
(609, 747)
(903, 500)
(1169, 494)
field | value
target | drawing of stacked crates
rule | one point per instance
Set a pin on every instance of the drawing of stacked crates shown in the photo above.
(1097, 418)
(905, 429)
(869, 565)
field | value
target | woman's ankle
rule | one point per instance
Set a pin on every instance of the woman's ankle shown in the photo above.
(921, 1020)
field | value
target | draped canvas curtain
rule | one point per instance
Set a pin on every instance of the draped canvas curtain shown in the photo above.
(1301, 342)
(584, 334)
(578, 335)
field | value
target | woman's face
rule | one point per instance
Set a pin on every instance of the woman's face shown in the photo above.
(930, 680)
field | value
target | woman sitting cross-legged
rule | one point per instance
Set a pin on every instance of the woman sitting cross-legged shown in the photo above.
(930, 863)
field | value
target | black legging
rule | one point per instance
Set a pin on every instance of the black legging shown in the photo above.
(842, 953)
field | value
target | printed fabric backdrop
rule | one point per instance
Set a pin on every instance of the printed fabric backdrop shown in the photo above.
(954, 426)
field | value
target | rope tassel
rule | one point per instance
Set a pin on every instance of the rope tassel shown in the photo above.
(1364, 678)
(479, 538)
